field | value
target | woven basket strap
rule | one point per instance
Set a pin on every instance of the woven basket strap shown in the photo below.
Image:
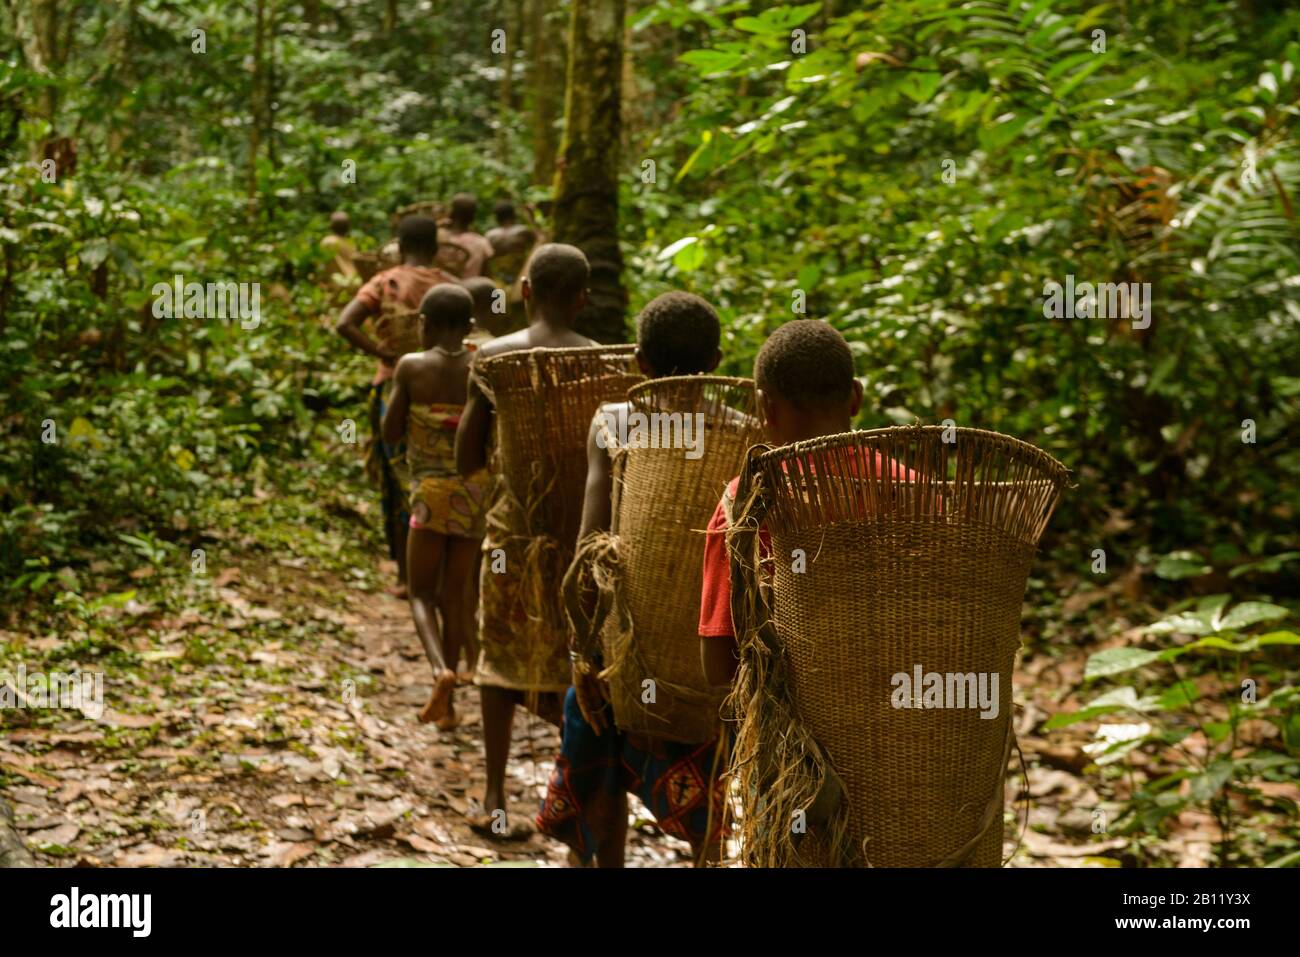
(594, 566)
(478, 379)
(794, 773)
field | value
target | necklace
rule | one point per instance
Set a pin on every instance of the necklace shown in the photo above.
(448, 353)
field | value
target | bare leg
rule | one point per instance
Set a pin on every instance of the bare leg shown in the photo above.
(400, 533)
(498, 706)
(612, 839)
(471, 616)
(461, 565)
(460, 568)
(426, 551)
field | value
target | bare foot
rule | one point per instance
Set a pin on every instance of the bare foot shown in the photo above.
(465, 677)
(398, 591)
(448, 721)
(498, 828)
(439, 705)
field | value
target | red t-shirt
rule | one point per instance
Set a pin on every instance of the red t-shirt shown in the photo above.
(715, 595)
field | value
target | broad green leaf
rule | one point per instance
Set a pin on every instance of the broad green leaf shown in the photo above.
(1205, 786)
(1114, 661)
(1180, 565)
(1279, 638)
(689, 257)
(921, 86)
(712, 61)
(1249, 613)
(668, 252)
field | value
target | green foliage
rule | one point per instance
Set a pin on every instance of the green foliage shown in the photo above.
(1220, 699)
(120, 426)
(923, 168)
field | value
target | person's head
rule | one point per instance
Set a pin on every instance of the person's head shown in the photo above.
(340, 223)
(555, 280)
(417, 239)
(806, 386)
(446, 312)
(504, 212)
(677, 334)
(484, 293)
(464, 206)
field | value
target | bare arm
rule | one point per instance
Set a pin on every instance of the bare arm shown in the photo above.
(600, 483)
(719, 658)
(394, 424)
(349, 327)
(472, 433)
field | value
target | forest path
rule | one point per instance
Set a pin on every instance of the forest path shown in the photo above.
(303, 750)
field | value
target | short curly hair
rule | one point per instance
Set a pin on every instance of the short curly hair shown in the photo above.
(447, 304)
(558, 273)
(807, 363)
(417, 235)
(678, 334)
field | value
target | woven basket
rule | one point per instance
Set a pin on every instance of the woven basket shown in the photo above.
(661, 503)
(432, 208)
(544, 401)
(452, 257)
(368, 264)
(899, 573)
(398, 330)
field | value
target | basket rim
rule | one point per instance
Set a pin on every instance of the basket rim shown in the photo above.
(518, 356)
(699, 379)
(865, 438)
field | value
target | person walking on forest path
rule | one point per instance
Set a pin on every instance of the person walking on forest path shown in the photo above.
(447, 510)
(458, 231)
(342, 248)
(555, 288)
(511, 241)
(599, 764)
(490, 318)
(401, 287)
(804, 374)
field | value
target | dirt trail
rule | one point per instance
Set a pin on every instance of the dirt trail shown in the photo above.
(297, 752)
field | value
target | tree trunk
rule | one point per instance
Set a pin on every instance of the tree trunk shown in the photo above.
(255, 109)
(36, 24)
(546, 64)
(511, 16)
(586, 184)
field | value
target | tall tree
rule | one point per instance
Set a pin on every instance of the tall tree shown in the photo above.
(586, 183)
(37, 25)
(546, 64)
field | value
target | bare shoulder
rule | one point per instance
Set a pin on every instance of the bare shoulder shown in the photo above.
(511, 342)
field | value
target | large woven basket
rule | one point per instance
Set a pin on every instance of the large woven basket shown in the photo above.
(662, 501)
(896, 573)
(398, 330)
(434, 209)
(368, 264)
(544, 401)
(452, 257)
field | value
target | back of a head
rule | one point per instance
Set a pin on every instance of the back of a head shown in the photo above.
(418, 236)
(340, 223)
(464, 206)
(558, 274)
(678, 334)
(480, 289)
(504, 211)
(807, 363)
(447, 305)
